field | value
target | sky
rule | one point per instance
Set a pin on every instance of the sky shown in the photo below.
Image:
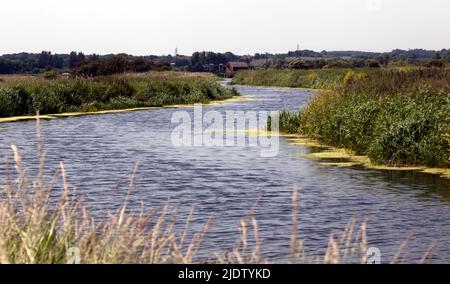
(143, 27)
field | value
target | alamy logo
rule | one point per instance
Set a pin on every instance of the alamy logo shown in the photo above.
(374, 5)
(373, 255)
(73, 255)
(228, 129)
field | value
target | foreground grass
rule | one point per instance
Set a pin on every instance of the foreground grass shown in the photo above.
(38, 226)
(26, 95)
(397, 117)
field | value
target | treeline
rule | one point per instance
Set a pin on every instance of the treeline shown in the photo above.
(396, 54)
(308, 59)
(96, 65)
(33, 63)
(117, 65)
(30, 63)
(299, 63)
(199, 59)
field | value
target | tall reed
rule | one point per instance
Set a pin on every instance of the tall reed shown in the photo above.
(26, 95)
(395, 116)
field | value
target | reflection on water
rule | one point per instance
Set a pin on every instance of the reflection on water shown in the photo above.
(100, 152)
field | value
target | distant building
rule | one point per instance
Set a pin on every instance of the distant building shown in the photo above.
(233, 67)
(246, 58)
(218, 69)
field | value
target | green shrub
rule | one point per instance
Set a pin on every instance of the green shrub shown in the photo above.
(50, 75)
(372, 63)
(102, 93)
(47, 104)
(14, 100)
(289, 122)
(115, 88)
(411, 130)
(119, 103)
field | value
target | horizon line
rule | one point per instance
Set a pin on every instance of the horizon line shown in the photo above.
(241, 54)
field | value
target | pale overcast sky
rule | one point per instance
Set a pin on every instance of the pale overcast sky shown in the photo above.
(242, 26)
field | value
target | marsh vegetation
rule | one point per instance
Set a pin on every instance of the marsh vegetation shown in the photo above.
(26, 95)
(396, 116)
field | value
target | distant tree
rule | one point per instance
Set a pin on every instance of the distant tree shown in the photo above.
(89, 69)
(199, 59)
(76, 59)
(93, 57)
(304, 53)
(73, 59)
(260, 56)
(182, 62)
(308, 64)
(380, 60)
(8, 66)
(116, 65)
(81, 56)
(437, 55)
(298, 64)
(50, 74)
(372, 63)
(140, 65)
(344, 63)
(439, 63)
(57, 61)
(279, 63)
(386, 59)
(45, 59)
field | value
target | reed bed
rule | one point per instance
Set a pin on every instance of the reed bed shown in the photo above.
(378, 79)
(397, 117)
(315, 79)
(26, 95)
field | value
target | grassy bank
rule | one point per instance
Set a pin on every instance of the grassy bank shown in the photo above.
(396, 117)
(25, 95)
(315, 79)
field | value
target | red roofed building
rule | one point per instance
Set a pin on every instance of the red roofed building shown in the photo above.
(233, 67)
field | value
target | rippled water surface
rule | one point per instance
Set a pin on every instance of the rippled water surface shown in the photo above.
(100, 152)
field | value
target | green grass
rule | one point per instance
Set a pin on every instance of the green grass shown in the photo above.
(396, 117)
(28, 95)
(316, 79)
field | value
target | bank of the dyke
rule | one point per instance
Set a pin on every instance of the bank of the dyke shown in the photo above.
(395, 117)
(234, 99)
(22, 97)
(340, 157)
